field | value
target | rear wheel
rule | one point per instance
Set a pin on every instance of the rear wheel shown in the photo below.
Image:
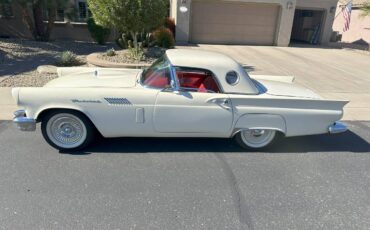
(67, 130)
(256, 139)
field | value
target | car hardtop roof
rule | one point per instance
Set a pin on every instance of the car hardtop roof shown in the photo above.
(199, 58)
(219, 64)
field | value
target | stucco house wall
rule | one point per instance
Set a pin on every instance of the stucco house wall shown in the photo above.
(359, 30)
(284, 26)
(73, 30)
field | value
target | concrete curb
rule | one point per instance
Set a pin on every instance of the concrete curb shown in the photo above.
(47, 69)
(93, 60)
(7, 104)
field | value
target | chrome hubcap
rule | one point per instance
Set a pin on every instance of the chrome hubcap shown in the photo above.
(257, 138)
(66, 130)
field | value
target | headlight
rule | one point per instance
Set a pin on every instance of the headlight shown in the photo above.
(15, 94)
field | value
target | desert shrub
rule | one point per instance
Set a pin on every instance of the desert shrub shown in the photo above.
(125, 41)
(136, 53)
(169, 23)
(164, 37)
(110, 52)
(99, 33)
(67, 58)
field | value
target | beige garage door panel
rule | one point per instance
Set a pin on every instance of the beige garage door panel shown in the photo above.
(233, 23)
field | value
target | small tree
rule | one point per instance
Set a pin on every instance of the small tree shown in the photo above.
(365, 9)
(33, 12)
(132, 16)
(99, 33)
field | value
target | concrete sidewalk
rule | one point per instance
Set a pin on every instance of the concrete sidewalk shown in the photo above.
(7, 104)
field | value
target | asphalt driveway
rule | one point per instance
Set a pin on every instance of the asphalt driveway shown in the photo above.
(315, 182)
(333, 73)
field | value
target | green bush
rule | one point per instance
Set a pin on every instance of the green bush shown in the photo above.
(164, 37)
(110, 52)
(170, 24)
(99, 33)
(67, 58)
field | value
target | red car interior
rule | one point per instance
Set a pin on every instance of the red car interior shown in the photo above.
(157, 79)
(200, 80)
(194, 79)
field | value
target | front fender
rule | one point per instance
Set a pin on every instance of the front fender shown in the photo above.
(36, 113)
(261, 121)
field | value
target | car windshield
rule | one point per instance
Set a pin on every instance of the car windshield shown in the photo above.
(158, 75)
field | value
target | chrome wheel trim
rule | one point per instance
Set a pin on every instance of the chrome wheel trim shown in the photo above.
(257, 138)
(66, 130)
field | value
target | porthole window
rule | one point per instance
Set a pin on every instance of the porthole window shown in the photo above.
(232, 78)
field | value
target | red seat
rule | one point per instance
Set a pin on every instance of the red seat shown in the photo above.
(210, 84)
(202, 89)
(200, 80)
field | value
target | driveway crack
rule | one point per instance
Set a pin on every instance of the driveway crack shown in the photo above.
(238, 197)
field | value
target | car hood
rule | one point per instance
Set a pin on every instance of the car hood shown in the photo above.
(278, 88)
(126, 78)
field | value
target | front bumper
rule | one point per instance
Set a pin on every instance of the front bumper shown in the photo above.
(24, 123)
(337, 127)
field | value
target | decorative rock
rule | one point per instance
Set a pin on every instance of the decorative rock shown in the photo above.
(47, 69)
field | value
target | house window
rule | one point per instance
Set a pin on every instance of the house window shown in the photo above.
(60, 15)
(83, 11)
(6, 10)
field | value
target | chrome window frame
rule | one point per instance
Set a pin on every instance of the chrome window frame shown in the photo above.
(140, 79)
(176, 79)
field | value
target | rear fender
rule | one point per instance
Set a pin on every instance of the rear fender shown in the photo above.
(260, 121)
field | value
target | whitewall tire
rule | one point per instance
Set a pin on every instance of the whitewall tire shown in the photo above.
(67, 130)
(256, 139)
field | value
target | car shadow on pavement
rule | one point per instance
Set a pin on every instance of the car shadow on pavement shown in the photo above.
(345, 142)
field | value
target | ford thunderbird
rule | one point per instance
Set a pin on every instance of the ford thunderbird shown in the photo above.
(185, 93)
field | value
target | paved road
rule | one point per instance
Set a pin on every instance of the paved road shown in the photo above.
(317, 182)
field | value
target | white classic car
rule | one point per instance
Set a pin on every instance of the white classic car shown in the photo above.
(185, 93)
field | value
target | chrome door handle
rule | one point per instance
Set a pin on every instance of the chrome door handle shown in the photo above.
(223, 102)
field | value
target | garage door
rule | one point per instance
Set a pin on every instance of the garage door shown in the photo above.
(233, 23)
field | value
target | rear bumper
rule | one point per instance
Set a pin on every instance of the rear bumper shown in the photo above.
(24, 123)
(337, 127)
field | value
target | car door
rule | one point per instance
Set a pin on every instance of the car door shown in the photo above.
(193, 110)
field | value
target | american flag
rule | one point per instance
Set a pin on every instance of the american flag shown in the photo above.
(346, 11)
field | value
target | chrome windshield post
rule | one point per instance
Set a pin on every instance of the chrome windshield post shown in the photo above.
(175, 84)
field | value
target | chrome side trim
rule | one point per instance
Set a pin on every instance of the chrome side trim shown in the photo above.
(118, 101)
(337, 127)
(246, 129)
(24, 123)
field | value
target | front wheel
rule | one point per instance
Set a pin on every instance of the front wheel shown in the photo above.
(256, 139)
(67, 130)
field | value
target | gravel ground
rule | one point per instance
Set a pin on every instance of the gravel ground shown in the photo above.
(19, 59)
(123, 56)
(29, 79)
